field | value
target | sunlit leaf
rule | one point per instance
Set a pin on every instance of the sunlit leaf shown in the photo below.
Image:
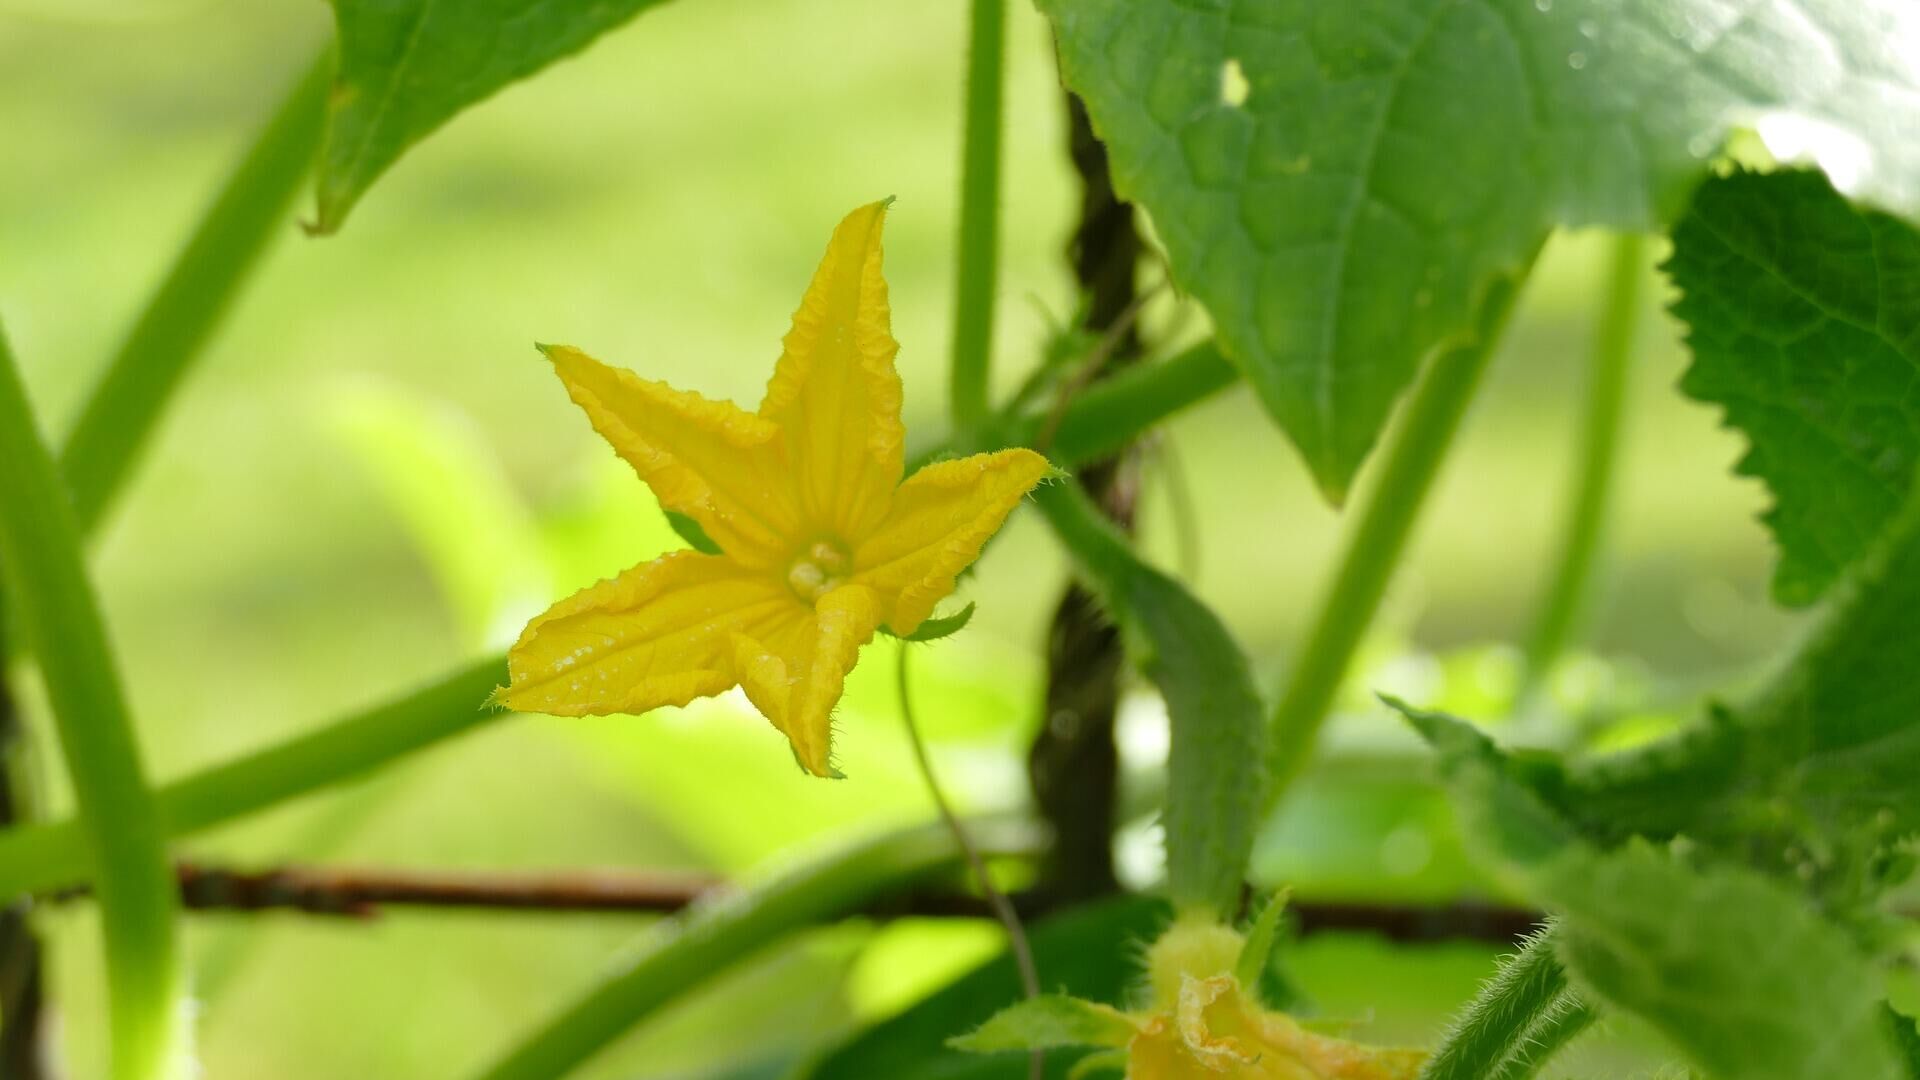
(408, 66)
(1339, 184)
(1803, 314)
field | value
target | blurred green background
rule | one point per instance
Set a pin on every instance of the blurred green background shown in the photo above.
(372, 477)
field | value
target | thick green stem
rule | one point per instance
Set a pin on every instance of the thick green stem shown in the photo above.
(1379, 536)
(683, 952)
(39, 857)
(1572, 583)
(1566, 1017)
(979, 218)
(1527, 991)
(198, 289)
(46, 581)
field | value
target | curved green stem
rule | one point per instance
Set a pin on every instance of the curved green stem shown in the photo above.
(198, 288)
(41, 560)
(1572, 582)
(1379, 536)
(979, 218)
(50, 855)
(684, 951)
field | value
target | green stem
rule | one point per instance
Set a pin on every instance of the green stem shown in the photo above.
(1379, 536)
(1564, 1018)
(1572, 582)
(684, 951)
(50, 855)
(119, 823)
(979, 217)
(1108, 414)
(198, 289)
(1525, 991)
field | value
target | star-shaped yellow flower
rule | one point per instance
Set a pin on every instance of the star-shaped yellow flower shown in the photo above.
(822, 544)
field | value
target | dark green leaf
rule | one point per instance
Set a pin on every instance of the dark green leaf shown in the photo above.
(1216, 776)
(1044, 1023)
(407, 66)
(937, 628)
(1906, 1039)
(691, 531)
(1339, 184)
(1733, 968)
(1090, 953)
(1803, 314)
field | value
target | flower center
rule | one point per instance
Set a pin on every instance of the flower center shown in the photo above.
(818, 569)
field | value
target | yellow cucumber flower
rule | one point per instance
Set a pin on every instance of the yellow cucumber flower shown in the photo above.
(1204, 1020)
(821, 543)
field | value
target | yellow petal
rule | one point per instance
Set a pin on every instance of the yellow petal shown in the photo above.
(835, 393)
(794, 674)
(939, 520)
(711, 460)
(659, 634)
(1217, 1033)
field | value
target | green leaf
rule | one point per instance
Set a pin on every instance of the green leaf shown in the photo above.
(937, 628)
(692, 532)
(1906, 1038)
(1046, 1022)
(1339, 184)
(1090, 952)
(1216, 775)
(407, 66)
(1256, 953)
(1825, 762)
(1734, 969)
(1803, 314)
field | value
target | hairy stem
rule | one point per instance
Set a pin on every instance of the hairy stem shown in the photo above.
(1379, 536)
(1494, 1030)
(1571, 586)
(977, 252)
(39, 857)
(198, 289)
(40, 558)
(683, 952)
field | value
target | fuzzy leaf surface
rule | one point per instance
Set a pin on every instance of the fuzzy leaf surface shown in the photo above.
(1732, 967)
(1340, 184)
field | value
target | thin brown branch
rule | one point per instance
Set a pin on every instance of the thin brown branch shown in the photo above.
(363, 892)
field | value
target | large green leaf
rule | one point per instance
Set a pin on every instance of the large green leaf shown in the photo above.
(1340, 182)
(1734, 968)
(407, 66)
(1821, 767)
(1729, 965)
(1216, 775)
(1803, 313)
(1090, 953)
